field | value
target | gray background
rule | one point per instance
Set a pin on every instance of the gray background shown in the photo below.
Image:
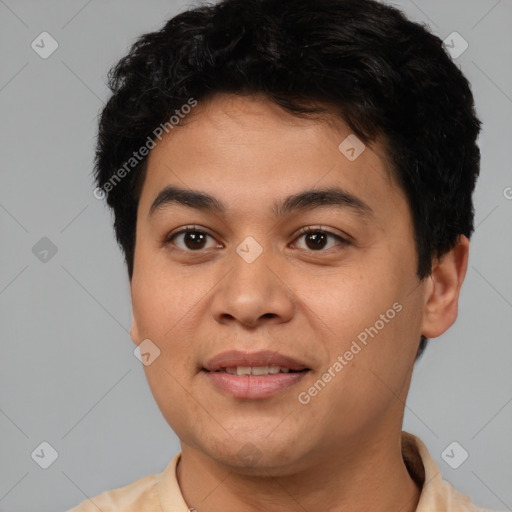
(68, 375)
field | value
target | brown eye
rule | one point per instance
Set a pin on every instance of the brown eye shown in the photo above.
(317, 239)
(191, 240)
(194, 239)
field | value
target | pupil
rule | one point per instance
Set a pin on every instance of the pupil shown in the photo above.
(317, 240)
(194, 239)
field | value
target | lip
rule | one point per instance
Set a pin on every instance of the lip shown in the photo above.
(253, 387)
(260, 358)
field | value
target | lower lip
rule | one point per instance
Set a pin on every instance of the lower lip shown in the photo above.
(253, 386)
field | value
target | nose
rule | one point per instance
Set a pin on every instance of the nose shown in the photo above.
(253, 293)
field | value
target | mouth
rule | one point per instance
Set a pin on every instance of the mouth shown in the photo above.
(253, 375)
(259, 371)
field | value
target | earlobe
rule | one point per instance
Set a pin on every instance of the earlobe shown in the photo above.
(443, 289)
(134, 332)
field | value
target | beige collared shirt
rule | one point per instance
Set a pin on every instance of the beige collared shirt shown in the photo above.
(161, 493)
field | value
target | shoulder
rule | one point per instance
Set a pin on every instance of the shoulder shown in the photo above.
(437, 494)
(139, 495)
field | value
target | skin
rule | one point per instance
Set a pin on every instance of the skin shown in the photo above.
(341, 451)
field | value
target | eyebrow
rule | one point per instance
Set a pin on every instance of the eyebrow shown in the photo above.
(302, 201)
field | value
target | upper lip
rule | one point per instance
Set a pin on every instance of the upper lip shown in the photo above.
(233, 358)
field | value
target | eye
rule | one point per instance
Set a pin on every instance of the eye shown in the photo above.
(191, 239)
(316, 239)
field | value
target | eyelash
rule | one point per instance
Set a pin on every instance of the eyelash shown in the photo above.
(303, 231)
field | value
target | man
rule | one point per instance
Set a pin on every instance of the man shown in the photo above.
(292, 189)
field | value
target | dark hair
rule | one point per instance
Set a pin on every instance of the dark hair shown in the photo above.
(385, 75)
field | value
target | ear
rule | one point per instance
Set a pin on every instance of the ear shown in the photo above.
(134, 332)
(443, 289)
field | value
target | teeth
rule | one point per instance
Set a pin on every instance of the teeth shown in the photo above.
(259, 370)
(256, 370)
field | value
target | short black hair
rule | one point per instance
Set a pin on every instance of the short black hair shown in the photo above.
(385, 75)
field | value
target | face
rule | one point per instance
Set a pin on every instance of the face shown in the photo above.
(291, 256)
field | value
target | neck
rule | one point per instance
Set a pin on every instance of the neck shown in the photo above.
(372, 478)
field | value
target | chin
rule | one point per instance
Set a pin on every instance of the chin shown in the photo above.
(258, 463)
(249, 455)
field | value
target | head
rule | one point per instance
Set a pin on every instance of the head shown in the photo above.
(260, 118)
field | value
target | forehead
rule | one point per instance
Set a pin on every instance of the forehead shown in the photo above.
(245, 147)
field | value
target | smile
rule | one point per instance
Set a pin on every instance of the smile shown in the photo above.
(257, 370)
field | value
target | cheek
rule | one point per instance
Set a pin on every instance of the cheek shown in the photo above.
(160, 298)
(168, 388)
(348, 301)
(166, 305)
(371, 378)
(372, 320)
